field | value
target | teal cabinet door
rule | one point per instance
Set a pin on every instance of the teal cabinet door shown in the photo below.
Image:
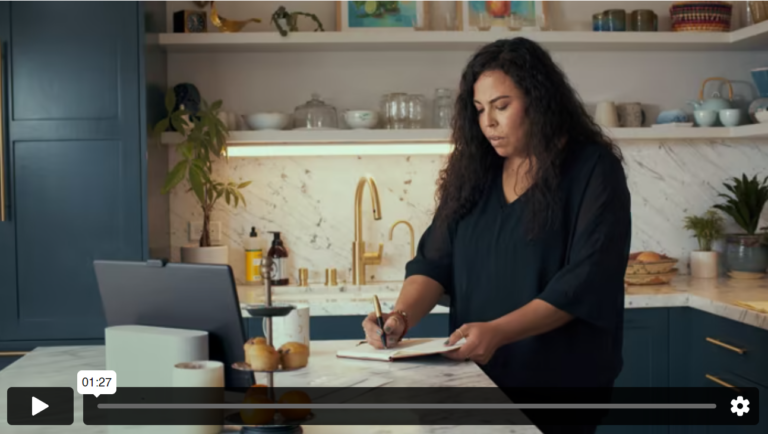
(646, 358)
(73, 149)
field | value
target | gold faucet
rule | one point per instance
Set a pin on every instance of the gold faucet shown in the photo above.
(410, 228)
(361, 258)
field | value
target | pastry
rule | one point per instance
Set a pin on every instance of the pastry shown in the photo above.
(262, 357)
(295, 397)
(648, 257)
(250, 344)
(294, 355)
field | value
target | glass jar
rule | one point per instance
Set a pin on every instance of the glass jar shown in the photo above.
(443, 108)
(315, 114)
(416, 106)
(395, 110)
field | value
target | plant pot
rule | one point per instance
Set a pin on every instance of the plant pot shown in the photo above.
(704, 264)
(193, 254)
(746, 253)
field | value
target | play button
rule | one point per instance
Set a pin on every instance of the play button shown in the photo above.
(37, 406)
(41, 406)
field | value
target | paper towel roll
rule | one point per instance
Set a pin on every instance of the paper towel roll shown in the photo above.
(202, 373)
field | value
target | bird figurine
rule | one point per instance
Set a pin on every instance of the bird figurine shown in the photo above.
(228, 26)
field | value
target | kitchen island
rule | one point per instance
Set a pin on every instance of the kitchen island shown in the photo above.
(58, 367)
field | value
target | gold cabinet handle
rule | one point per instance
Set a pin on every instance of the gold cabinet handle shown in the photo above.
(726, 346)
(720, 382)
(13, 353)
(2, 144)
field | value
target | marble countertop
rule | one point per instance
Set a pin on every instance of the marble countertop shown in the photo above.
(716, 296)
(58, 367)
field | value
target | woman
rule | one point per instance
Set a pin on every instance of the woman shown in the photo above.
(531, 233)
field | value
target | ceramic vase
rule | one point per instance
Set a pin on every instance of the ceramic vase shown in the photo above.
(704, 264)
(746, 253)
(194, 254)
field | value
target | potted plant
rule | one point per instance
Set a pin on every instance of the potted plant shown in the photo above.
(204, 138)
(746, 252)
(706, 228)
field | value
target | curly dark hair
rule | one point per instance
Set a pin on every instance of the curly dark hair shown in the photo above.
(553, 113)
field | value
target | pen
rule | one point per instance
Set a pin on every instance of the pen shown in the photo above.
(380, 320)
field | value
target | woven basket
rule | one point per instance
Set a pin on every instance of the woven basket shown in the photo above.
(701, 16)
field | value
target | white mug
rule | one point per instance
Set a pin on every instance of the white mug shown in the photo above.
(293, 327)
(207, 374)
(606, 115)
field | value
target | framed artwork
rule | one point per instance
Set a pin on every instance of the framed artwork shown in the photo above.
(378, 15)
(530, 13)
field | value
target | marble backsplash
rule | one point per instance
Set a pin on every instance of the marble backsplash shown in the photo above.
(311, 202)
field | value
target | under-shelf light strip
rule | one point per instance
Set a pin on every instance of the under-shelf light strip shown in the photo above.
(338, 150)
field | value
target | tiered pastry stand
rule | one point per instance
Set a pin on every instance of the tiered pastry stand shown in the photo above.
(267, 311)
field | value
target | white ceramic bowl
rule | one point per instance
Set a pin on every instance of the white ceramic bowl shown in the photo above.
(267, 120)
(762, 116)
(361, 119)
(730, 117)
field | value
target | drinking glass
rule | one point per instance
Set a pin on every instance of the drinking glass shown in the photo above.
(484, 21)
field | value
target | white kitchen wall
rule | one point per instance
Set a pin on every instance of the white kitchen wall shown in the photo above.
(310, 200)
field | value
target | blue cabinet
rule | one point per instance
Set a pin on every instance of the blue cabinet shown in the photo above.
(349, 327)
(74, 142)
(646, 359)
(6, 361)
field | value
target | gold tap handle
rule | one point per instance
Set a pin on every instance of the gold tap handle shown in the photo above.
(374, 258)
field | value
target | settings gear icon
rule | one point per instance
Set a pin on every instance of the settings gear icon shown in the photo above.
(740, 406)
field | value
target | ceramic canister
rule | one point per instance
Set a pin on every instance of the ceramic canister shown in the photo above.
(643, 20)
(631, 115)
(615, 20)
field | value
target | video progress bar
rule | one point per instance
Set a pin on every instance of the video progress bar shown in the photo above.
(704, 406)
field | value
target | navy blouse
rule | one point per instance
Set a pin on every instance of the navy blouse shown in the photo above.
(489, 267)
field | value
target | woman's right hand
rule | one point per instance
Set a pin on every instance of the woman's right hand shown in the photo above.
(393, 328)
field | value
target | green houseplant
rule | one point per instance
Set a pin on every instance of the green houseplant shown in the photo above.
(745, 252)
(203, 141)
(706, 229)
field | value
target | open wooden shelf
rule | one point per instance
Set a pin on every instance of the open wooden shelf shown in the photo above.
(425, 141)
(750, 38)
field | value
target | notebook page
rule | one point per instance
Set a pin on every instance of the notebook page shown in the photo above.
(431, 347)
(406, 347)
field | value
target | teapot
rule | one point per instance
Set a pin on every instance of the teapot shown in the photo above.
(713, 103)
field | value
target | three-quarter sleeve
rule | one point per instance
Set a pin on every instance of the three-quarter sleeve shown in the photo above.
(434, 256)
(591, 284)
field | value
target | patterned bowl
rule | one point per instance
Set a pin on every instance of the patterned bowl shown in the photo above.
(701, 16)
(662, 266)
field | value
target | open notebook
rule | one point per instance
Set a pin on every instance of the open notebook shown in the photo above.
(407, 348)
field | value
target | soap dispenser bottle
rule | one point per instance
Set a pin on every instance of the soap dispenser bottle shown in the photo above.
(278, 254)
(253, 257)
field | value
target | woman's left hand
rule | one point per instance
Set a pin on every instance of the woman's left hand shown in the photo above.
(482, 341)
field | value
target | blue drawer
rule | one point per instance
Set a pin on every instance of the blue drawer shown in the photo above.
(731, 346)
(6, 361)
